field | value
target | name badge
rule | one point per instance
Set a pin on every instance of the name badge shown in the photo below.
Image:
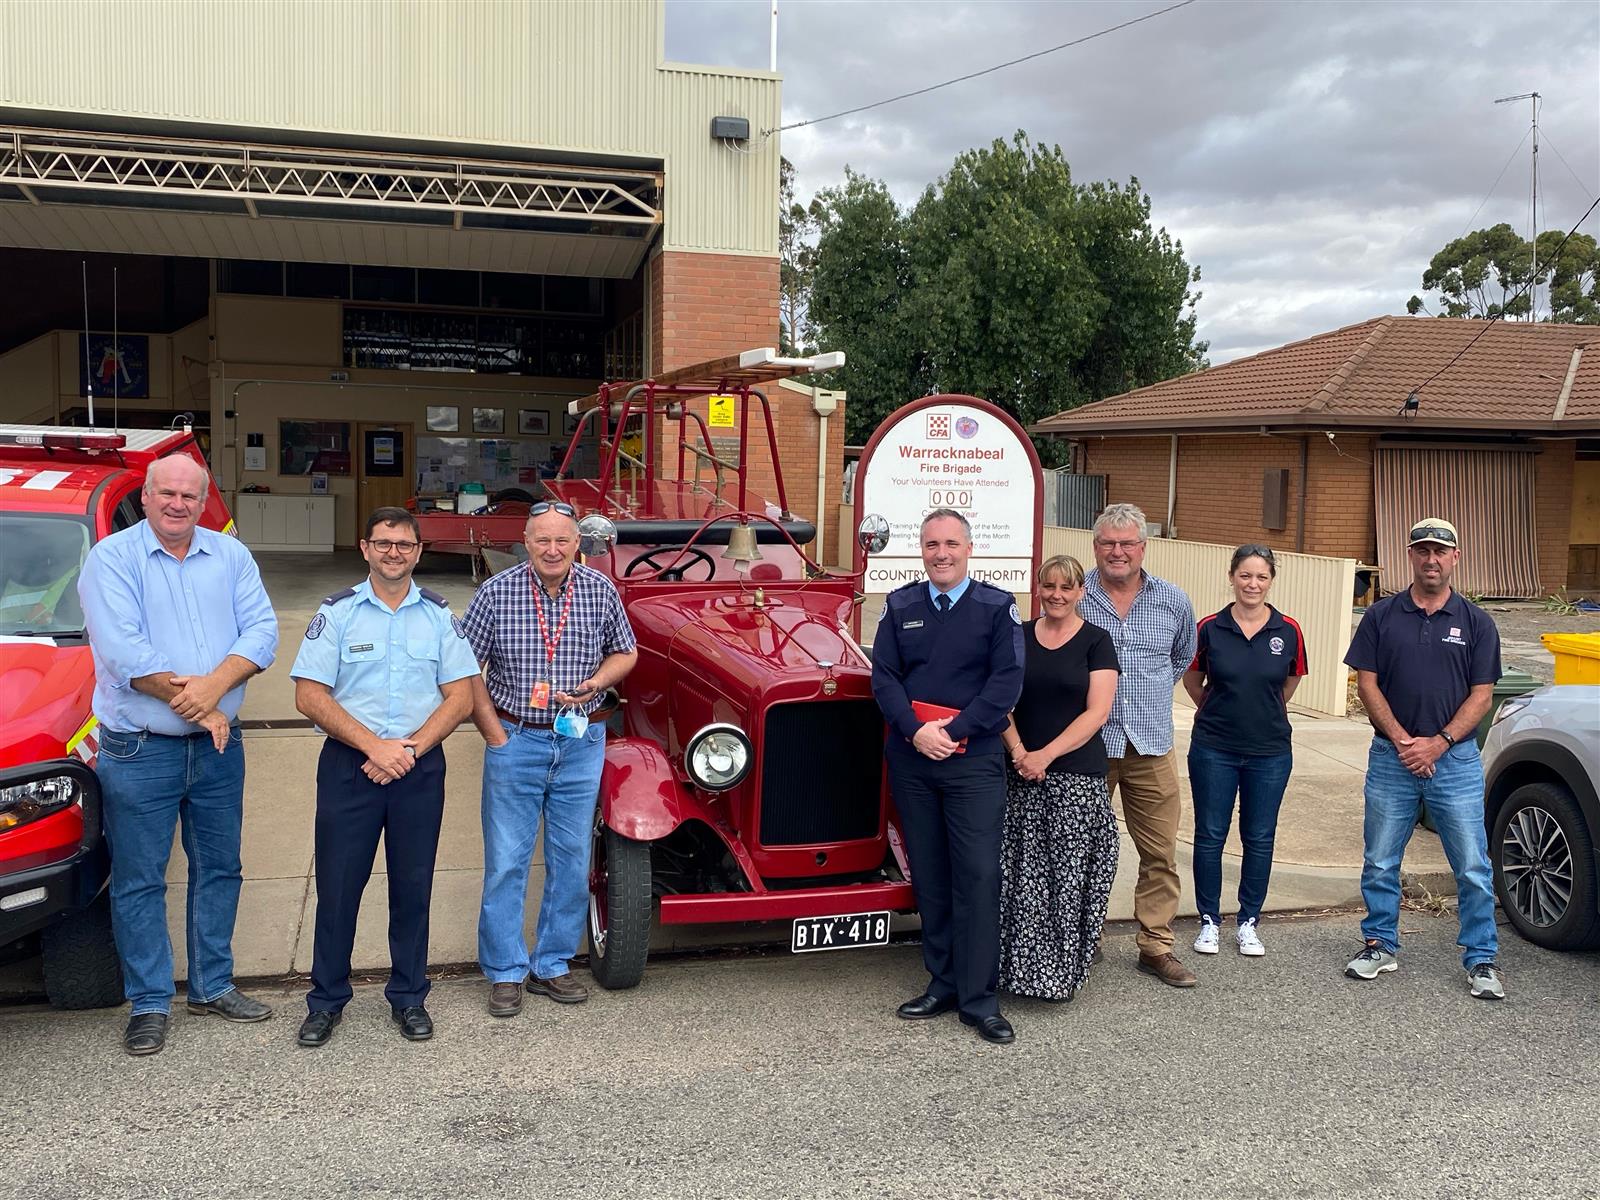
(912, 625)
(361, 649)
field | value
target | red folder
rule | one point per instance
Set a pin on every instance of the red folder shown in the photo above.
(926, 712)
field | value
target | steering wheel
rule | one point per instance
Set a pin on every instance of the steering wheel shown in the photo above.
(693, 553)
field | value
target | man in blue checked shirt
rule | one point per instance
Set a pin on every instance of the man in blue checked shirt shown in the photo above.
(385, 672)
(553, 637)
(177, 621)
(1151, 623)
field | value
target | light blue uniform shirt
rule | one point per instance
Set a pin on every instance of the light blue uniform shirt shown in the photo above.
(385, 666)
(149, 613)
(954, 593)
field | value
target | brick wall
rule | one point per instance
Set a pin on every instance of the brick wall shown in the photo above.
(706, 306)
(1552, 501)
(1135, 471)
(1341, 518)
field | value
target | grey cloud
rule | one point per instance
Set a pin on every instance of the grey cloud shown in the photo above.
(1311, 157)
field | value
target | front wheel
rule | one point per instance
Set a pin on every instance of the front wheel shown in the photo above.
(81, 968)
(1544, 874)
(619, 909)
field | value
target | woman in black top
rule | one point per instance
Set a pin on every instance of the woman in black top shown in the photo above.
(1250, 660)
(1059, 853)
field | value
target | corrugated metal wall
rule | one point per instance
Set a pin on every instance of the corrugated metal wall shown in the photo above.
(1488, 495)
(1072, 499)
(582, 75)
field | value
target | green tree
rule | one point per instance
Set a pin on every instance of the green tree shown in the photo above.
(1005, 280)
(797, 228)
(1574, 277)
(1482, 274)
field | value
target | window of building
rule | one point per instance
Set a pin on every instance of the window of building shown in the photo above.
(250, 277)
(391, 285)
(454, 289)
(305, 447)
(317, 281)
(501, 290)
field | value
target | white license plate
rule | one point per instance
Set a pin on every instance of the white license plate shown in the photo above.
(839, 933)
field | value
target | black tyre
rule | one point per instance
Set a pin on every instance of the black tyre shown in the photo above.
(1544, 871)
(619, 909)
(81, 969)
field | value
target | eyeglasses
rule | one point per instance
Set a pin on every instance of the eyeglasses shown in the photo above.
(385, 546)
(1433, 533)
(1106, 544)
(544, 506)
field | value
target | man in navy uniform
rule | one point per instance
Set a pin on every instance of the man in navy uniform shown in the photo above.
(954, 642)
(385, 671)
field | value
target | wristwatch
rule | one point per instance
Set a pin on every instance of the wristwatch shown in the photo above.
(1448, 740)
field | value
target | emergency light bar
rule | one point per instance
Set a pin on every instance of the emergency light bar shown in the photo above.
(66, 440)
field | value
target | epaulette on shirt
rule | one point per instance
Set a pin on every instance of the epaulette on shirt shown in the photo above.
(433, 597)
(338, 596)
(989, 594)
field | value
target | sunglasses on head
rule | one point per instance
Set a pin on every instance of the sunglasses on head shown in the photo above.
(544, 506)
(1433, 533)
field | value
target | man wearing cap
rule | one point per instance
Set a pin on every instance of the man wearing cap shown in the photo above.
(385, 672)
(553, 637)
(1427, 661)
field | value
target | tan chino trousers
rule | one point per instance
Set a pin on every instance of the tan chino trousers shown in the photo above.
(1150, 806)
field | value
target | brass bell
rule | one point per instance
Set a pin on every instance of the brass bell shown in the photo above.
(742, 546)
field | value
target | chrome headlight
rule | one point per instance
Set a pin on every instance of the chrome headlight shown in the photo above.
(1511, 706)
(719, 757)
(24, 802)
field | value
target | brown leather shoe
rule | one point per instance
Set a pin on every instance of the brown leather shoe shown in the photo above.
(1167, 969)
(505, 999)
(563, 989)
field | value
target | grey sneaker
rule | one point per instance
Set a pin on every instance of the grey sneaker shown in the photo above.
(1485, 982)
(1373, 961)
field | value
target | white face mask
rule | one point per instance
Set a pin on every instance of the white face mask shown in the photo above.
(571, 722)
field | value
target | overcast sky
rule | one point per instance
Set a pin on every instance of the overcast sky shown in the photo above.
(1311, 157)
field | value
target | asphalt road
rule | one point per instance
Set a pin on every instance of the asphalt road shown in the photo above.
(789, 1077)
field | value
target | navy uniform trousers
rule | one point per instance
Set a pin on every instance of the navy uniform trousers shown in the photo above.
(351, 812)
(953, 813)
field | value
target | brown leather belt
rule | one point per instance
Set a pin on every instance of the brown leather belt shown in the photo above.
(511, 719)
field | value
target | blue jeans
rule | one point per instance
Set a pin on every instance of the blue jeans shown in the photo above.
(150, 784)
(537, 773)
(1455, 799)
(1258, 780)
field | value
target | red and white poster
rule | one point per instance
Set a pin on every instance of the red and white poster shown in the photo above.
(954, 452)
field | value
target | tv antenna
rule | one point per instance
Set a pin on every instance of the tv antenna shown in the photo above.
(1533, 203)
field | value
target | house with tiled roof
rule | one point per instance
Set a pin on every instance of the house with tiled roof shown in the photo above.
(1334, 444)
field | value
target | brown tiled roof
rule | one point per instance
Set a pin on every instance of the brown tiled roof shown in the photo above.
(1510, 380)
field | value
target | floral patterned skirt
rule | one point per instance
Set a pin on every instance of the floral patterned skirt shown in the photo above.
(1057, 863)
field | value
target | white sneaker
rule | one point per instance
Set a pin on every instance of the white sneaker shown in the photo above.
(1249, 944)
(1205, 941)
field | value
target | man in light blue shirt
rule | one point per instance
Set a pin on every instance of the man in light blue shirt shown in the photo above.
(177, 621)
(386, 672)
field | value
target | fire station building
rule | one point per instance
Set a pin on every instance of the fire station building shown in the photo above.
(374, 249)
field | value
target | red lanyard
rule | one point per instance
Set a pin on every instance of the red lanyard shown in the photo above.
(551, 643)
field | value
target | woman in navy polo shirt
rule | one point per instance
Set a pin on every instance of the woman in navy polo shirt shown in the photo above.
(1250, 660)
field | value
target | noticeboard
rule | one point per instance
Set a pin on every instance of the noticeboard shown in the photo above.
(961, 453)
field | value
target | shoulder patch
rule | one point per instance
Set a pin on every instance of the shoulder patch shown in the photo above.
(338, 596)
(1015, 615)
(433, 597)
(318, 624)
(455, 623)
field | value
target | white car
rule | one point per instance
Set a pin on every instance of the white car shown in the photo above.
(1542, 808)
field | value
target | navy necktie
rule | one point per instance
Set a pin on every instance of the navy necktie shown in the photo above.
(944, 602)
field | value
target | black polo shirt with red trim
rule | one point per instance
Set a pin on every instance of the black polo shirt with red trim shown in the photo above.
(1426, 664)
(1244, 712)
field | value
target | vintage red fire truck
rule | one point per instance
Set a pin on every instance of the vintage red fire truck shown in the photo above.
(744, 775)
(61, 490)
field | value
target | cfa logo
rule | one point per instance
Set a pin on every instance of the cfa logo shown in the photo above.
(939, 426)
(1276, 645)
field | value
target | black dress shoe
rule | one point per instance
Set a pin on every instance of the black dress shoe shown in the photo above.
(232, 1005)
(317, 1028)
(994, 1029)
(925, 1006)
(415, 1023)
(146, 1034)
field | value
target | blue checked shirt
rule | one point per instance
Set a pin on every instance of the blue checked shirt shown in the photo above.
(148, 613)
(1155, 646)
(503, 629)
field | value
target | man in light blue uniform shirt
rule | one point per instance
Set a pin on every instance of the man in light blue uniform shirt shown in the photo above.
(177, 621)
(385, 671)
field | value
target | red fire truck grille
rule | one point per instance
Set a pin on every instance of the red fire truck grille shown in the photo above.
(822, 765)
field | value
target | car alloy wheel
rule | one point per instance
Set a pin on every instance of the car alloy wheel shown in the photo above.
(1537, 863)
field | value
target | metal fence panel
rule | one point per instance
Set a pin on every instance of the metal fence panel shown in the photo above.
(1073, 500)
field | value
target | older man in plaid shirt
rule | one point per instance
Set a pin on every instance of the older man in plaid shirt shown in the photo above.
(1151, 622)
(553, 636)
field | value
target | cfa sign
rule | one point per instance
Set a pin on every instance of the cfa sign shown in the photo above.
(953, 452)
